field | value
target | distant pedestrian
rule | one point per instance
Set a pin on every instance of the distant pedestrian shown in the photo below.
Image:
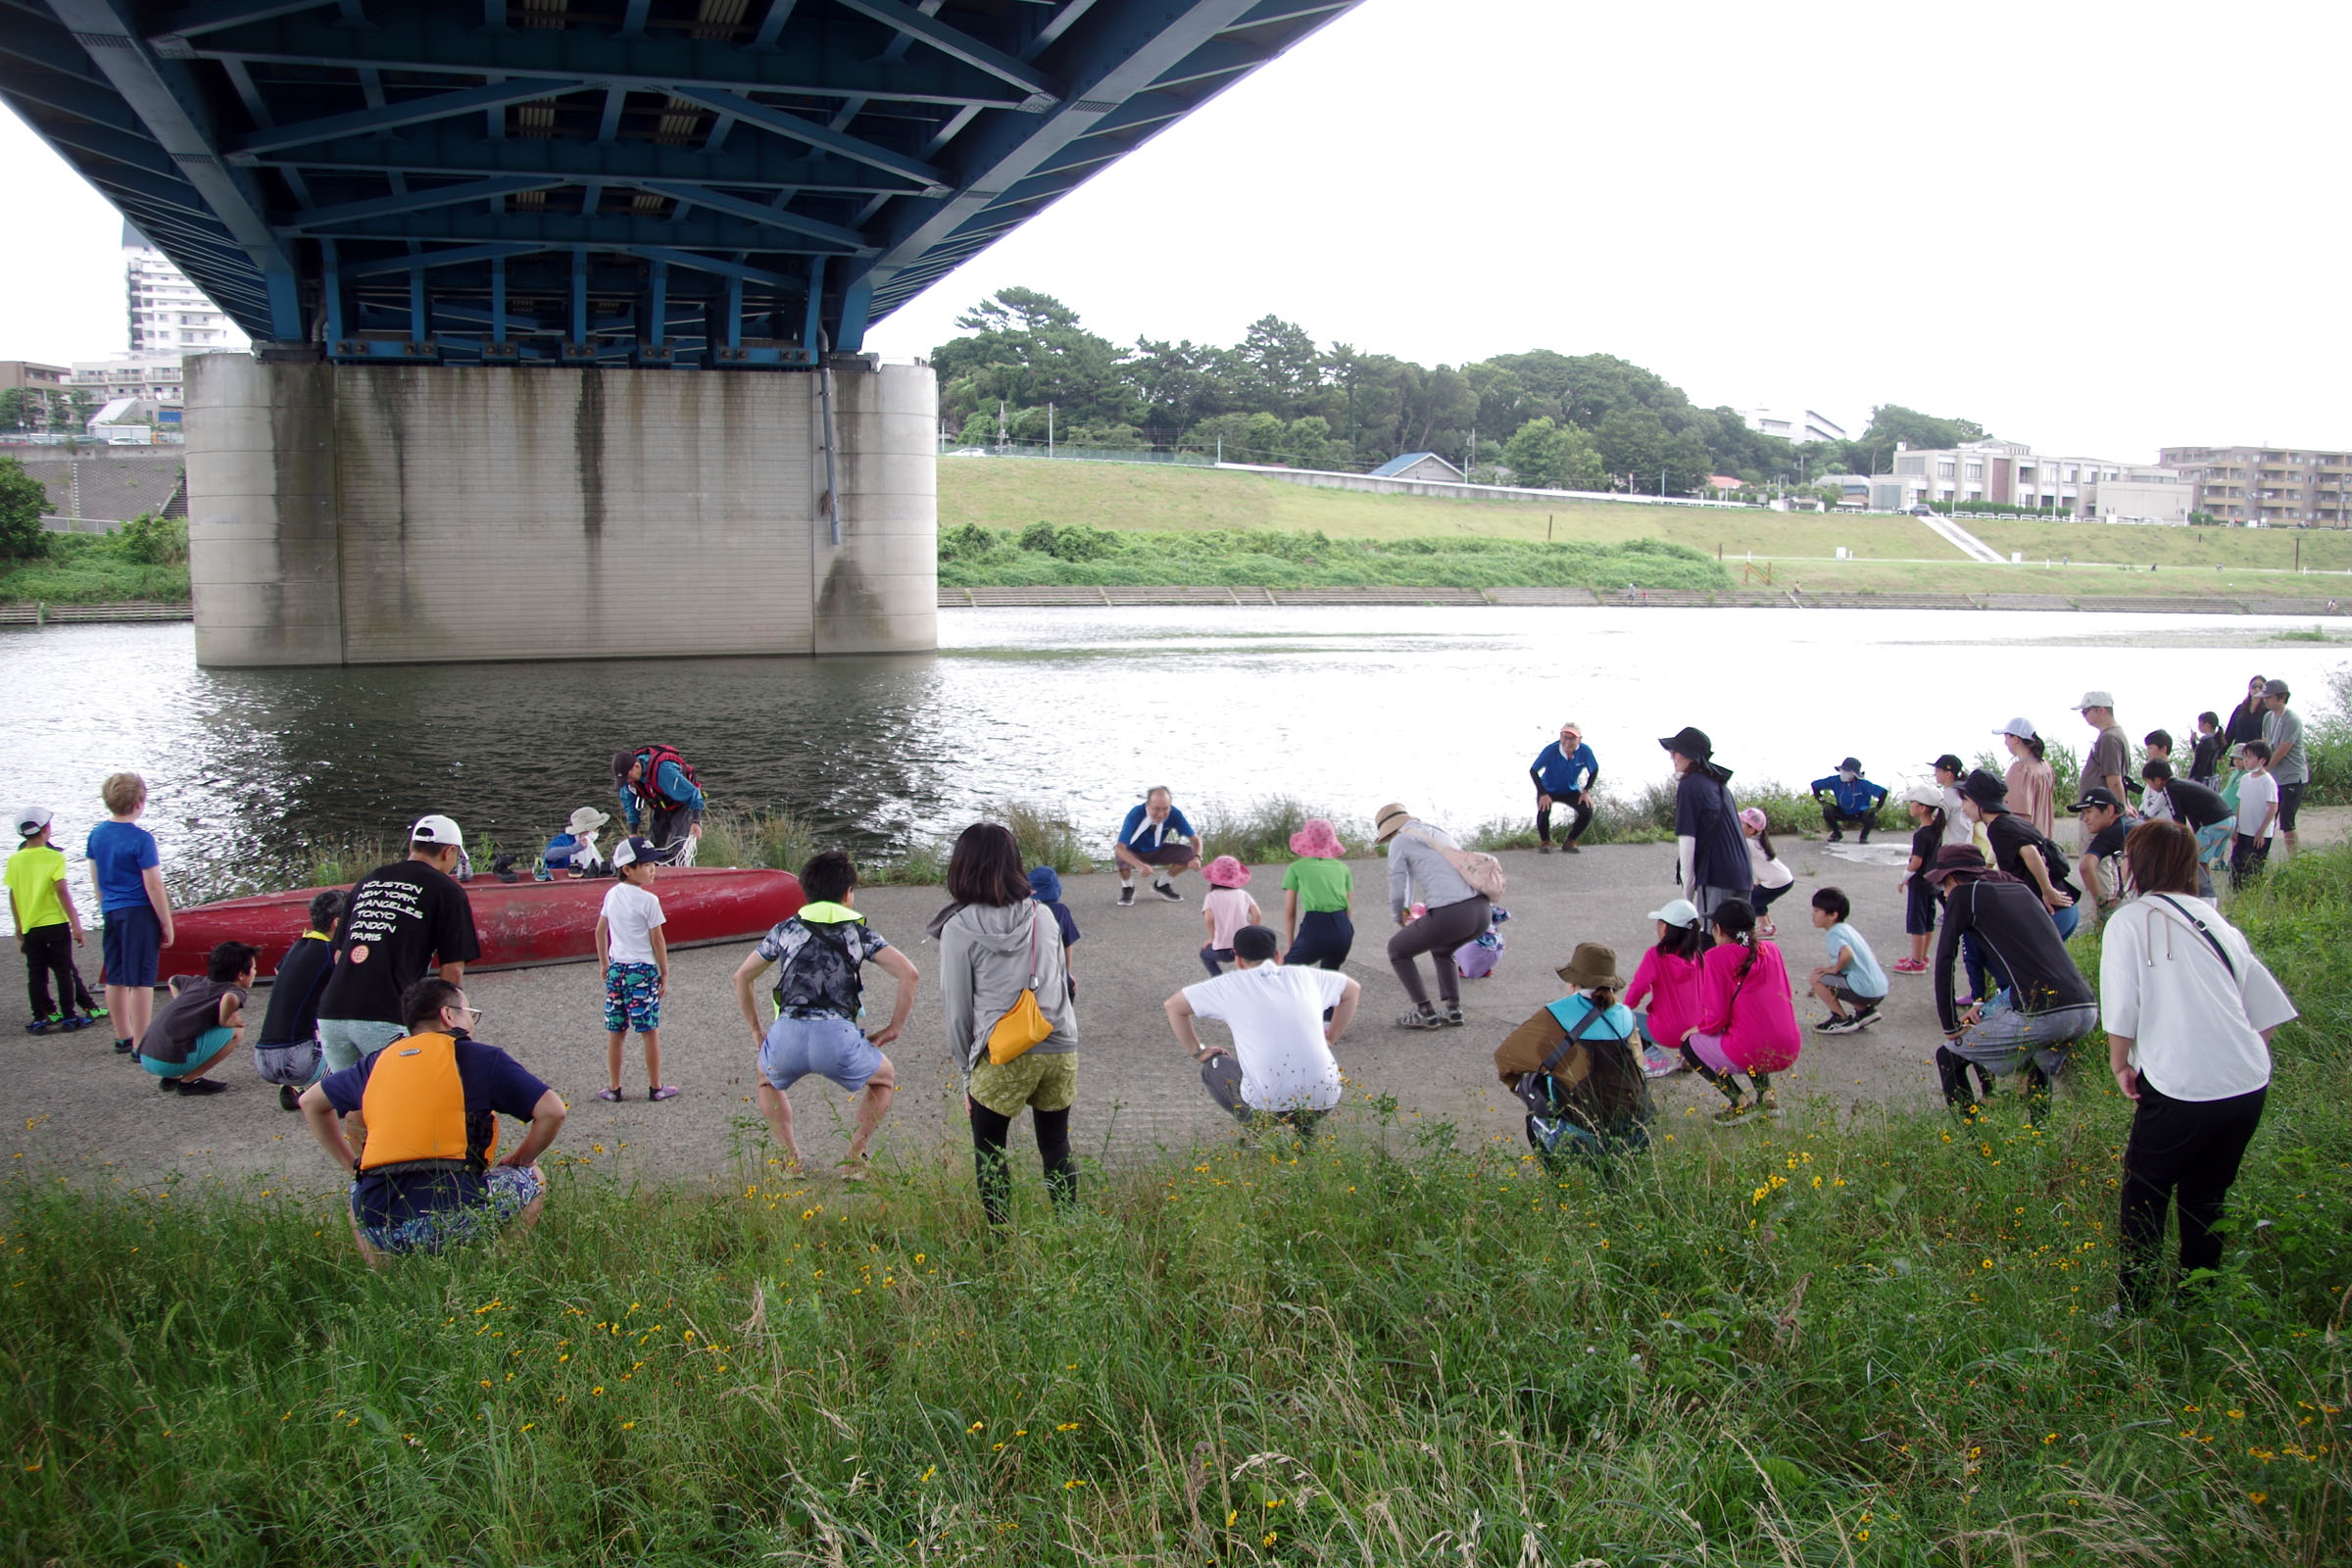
(1565, 773)
(199, 1028)
(1710, 851)
(1045, 886)
(2290, 760)
(137, 912)
(286, 1052)
(1668, 979)
(1422, 871)
(1770, 874)
(2257, 814)
(1154, 837)
(2205, 759)
(2045, 1004)
(659, 797)
(1224, 910)
(2032, 783)
(633, 956)
(48, 928)
(1316, 887)
(1747, 1022)
(1851, 984)
(2245, 719)
(1280, 1066)
(2110, 756)
(2190, 1011)
(1848, 800)
(399, 921)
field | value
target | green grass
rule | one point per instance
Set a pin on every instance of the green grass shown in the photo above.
(90, 569)
(777, 839)
(1846, 1337)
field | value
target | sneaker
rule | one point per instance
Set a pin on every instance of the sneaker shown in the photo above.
(1737, 1111)
(665, 1092)
(97, 1013)
(75, 1026)
(1167, 891)
(196, 1086)
(1660, 1064)
(1451, 1014)
(1837, 838)
(1570, 847)
(1910, 966)
(1415, 1018)
(1768, 1103)
(1543, 848)
(1867, 1017)
(123, 1049)
(1767, 930)
(289, 1097)
(1865, 839)
(1847, 1024)
(610, 1097)
(1127, 897)
(1829, 1025)
(41, 1026)
(165, 1084)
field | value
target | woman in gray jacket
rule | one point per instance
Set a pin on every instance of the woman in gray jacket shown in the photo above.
(1419, 872)
(993, 944)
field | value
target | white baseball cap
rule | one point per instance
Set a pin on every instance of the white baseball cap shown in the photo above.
(1677, 912)
(1924, 795)
(2095, 700)
(437, 830)
(2022, 728)
(32, 820)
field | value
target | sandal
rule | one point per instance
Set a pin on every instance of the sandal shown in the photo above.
(1417, 1019)
(851, 1170)
(664, 1092)
(610, 1094)
(1737, 1111)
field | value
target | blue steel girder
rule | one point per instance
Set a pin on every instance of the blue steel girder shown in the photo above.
(662, 180)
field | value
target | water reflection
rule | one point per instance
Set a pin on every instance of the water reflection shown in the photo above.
(1344, 707)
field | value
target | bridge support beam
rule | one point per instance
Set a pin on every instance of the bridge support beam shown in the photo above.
(363, 514)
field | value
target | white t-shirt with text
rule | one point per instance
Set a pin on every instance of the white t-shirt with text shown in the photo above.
(1276, 1015)
(630, 914)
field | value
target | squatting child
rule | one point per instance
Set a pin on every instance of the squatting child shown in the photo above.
(1852, 978)
(1667, 979)
(635, 959)
(1225, 910)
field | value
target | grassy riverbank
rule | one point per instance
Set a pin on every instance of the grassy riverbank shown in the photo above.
(1836, 1338)
(96, 570)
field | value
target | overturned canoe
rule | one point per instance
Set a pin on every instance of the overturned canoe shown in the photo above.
(519, 924)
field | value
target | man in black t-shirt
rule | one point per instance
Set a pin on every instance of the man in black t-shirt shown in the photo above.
(2202, 808)
(2105, 822)
(401, 920)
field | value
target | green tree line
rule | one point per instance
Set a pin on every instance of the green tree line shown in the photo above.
(1578, 422)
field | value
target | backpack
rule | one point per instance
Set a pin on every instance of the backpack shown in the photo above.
(1589, 1095)
(1480, 869)
(649, 788)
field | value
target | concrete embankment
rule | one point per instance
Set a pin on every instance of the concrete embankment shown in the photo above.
(1728, 599)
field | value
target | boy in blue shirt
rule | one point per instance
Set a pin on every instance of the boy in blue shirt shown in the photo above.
(1853, 976)
(136, 908)
(1847, 798)
(1564, 773)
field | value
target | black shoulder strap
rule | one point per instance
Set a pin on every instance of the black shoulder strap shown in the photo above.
(1559, 1052)
(2203, 930)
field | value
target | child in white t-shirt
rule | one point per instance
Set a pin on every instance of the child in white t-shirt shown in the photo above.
(2257, 813)
(635, 957)
(1224, 911)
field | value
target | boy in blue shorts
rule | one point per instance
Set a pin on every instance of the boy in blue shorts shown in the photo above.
(820, 997)
(136, 908)
(202, 1022)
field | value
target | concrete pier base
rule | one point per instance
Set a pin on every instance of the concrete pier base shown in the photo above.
(350, 514)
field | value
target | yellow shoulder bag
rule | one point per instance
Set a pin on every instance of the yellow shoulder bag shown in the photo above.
(1024, 1023)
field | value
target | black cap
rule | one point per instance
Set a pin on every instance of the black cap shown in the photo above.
(1256, 943)
(1850, 765)
(1691, 743)
(1950, 762)
(2099, 797)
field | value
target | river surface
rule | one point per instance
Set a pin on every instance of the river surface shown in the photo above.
(1342, 707)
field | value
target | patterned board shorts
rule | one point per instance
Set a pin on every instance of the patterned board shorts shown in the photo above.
(507, 1191)
(632, 998)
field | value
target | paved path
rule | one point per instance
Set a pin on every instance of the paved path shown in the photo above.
(73, 1108)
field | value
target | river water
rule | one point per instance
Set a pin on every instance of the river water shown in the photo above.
(1343, 707)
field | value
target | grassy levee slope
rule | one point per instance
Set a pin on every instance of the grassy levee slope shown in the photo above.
(1890, 553)
(1849, 1337)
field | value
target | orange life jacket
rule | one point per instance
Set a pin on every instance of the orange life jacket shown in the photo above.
(414, 1109)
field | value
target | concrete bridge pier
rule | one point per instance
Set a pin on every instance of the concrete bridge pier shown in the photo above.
(365, 515)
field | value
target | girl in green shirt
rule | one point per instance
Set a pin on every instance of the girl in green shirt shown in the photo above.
(1315, 890)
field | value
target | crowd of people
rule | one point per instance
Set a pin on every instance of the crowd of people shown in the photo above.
(368, 1033)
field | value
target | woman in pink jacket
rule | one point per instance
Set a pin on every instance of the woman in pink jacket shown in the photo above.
(1747, 1019)
(1668, 980)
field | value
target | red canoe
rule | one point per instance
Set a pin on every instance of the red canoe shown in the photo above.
(520, 923)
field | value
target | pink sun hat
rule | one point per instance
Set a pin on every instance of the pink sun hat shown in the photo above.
(1319, 841)
(1226, 872)
(1754, 818)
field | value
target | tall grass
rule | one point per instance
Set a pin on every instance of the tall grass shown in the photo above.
(1850, 1336)
(780, 839)
(95, 569)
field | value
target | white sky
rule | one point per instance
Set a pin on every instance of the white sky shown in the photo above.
(2095, 226)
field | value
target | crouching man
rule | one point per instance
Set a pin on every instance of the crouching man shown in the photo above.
(426, 1110)
(1280, 1065)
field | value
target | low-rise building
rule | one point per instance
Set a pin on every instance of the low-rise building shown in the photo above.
(1419, 466)
(2276, 486)
(2009, 473)
(1799, 425)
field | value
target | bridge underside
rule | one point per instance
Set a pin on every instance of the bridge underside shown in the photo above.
(659, 184)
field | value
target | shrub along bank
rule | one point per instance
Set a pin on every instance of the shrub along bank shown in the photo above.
(146, 558)
(1836, 1338)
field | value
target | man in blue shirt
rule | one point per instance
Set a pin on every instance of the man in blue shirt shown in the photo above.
(1848, 799)
(1564, 772)
(659, 796)
(1156, 837)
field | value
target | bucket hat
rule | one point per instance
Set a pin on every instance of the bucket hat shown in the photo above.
(1319, 840)
(1045, 884)
(1986, 790)
(1226, 872)
(1593, 966)
(1689, 742)
(587, 819)
(1956, 859)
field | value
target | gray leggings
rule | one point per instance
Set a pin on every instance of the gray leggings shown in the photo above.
(1440, 931)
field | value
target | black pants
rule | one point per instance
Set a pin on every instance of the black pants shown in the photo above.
(49, 957)
(1325, 937)
(1439, 932)
(1762, 898)
(1581, 804)
(2248, 855)
(1836, 822)
(2184, 1154)
(989, 1133)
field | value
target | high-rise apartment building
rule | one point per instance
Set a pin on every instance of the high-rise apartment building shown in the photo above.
(168, 314)
(2271, 485)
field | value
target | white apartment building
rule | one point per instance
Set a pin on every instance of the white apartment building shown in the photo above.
(2012, 473)
(149, 377)
(1799, 426)
(168, 314)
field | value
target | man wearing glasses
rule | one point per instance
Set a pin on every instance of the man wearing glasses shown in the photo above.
(1564, 774)
(426, 1110)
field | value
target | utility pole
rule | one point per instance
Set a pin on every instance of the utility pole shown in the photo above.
(1049, 428)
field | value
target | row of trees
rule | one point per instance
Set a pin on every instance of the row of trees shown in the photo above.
(1586, 421)
(33, 408)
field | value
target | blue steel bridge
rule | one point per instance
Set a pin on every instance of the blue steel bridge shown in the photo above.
(688, 184)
